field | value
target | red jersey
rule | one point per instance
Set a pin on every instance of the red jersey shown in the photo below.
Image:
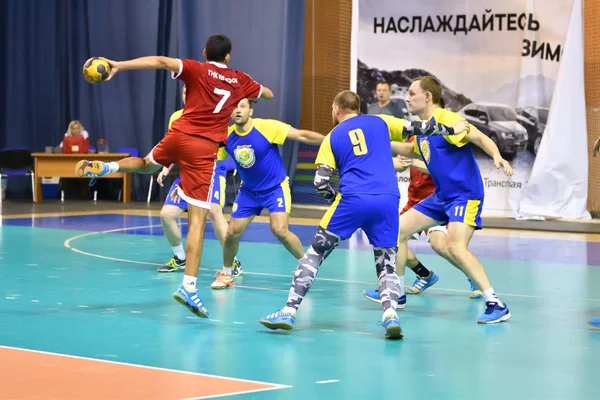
(213, 92)
(75, 145)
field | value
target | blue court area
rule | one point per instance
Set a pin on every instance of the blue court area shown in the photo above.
(87, 286)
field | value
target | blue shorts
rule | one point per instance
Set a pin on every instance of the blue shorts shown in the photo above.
(465, 210)
(250, 203)
(217, 195)
(375, 214)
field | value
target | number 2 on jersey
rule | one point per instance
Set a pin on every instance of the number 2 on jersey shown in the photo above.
(225, 95)
(359, 145)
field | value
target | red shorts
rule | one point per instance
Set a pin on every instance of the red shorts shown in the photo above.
(196, 157)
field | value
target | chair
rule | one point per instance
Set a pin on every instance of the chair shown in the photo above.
(15, 162)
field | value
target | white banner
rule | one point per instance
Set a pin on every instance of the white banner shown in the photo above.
(497, 60)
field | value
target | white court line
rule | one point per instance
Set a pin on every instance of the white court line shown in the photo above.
(329, 381)
(275, 386)
(67, 244)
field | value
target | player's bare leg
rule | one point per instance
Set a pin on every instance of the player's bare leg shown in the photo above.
(459, 236)
(193, 249)
(425, 278)
(131, 164)
(280, 228)
(439, 244)
(237, 227)
(169, 216)
(411, 222)
(219, 222)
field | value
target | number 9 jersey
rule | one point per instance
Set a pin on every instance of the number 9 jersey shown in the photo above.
(359, 147)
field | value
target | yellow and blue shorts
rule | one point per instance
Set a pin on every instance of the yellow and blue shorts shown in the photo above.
(217, 195)
(462, 209)
(252, 202)
(375, 214)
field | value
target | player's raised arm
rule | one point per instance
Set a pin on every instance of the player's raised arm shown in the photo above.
(304, 136)
(432, 128)
(150, 62)
(325, 166)
(401, 129)
(486, 144)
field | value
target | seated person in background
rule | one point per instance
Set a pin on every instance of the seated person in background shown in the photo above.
(77, 140)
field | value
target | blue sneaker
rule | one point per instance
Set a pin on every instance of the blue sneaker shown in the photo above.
(392, 327)
(373, 295)
(594, 322)
(494, 314)
(92, 169)
(192, 301)
(279, 320)
(174, 264)
(476, 293)
(420, 284)
(236, 268)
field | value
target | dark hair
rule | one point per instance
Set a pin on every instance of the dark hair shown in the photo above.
(250, 102)
(384, 83)
(347, 100)
(441, 103)
(431, 85)
(217, 47)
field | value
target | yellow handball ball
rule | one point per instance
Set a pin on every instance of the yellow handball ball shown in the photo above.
(96, 70)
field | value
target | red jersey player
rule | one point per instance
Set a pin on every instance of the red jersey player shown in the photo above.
(213, 92)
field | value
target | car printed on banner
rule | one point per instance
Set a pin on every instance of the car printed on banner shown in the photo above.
(533, 119)
(499, 123)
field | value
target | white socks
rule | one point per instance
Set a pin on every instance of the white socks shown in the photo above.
(189, 282)
(179, 251)
(290, 310)
(489, 295)
(113, 167)
(401, 278)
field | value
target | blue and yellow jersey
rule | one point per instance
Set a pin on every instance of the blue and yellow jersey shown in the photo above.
(256, 153)
(175, 116)
(359, 147)
(450, 161)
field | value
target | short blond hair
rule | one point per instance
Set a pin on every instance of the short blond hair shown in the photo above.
(73, 123)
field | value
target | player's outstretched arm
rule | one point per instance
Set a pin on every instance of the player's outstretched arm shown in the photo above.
(322, 182)
(266, 94)
(420, 166)
(405, 150)
(150, 62)
(432, 128)
(402, 164)
(304, 136)
(486, 144)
